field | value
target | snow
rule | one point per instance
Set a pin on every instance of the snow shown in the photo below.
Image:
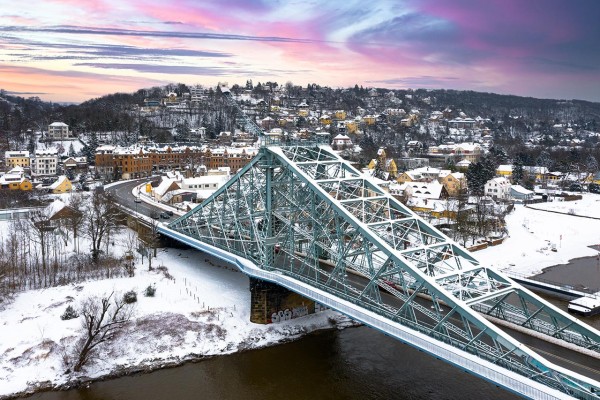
(203, 310)
(533, 232)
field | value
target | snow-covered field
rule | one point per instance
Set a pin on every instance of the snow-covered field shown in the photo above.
(203, 310)
(533, 233)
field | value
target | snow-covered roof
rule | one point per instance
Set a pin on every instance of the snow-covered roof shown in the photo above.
(426, 190)
(58, 124)
(22, 153)
(53, 208)
(520, 189)
(61, 179)
(165, 184)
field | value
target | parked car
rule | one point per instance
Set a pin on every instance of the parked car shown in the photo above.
(154, 215)
(169, 212)
(576, 187)
(594, 188)
(165, 215)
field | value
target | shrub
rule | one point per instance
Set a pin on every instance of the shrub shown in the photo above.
(69, 313)
(130, 297)
(150, 290)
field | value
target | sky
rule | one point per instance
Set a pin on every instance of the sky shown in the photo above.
(74, 50)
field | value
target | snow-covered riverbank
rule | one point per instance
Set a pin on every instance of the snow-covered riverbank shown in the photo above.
(203, 310)
(534, 232)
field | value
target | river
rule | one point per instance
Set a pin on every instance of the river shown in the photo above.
(355, 363)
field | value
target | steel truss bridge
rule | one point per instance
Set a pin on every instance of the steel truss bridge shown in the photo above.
(302, 217)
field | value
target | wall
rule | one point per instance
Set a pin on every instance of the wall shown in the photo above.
(271, 303)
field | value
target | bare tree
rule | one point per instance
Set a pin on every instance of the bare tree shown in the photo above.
(100, 220)
(76, 201)
(41, 228)
(102, 320)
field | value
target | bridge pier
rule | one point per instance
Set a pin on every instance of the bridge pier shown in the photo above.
(271, 303)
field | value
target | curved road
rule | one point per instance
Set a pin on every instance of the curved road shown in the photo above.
(122, 194)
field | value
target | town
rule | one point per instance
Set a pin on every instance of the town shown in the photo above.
(459, 170)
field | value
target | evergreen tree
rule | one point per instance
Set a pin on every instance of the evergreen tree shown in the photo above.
(71, 150)
(517, 172)
(89, 149)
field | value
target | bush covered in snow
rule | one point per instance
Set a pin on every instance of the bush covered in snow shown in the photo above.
(69, 313)
(150, 290)
(130, 297)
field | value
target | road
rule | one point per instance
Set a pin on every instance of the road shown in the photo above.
(122, 194)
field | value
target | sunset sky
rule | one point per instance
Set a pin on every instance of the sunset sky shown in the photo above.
(74, 50)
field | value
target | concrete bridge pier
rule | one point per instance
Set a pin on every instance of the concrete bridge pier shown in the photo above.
(271, 303)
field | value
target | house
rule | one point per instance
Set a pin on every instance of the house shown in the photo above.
(341, 142)
(17, 159)
(15, 180)
(539, 173)
(518, 192)
(45, 162)
(369, 119)
(61, 185)
(414, 146)
(409, 176)
(426, 190)
(166, 185)
(58, 131)
(455, 183)
(340, 114)
(303, 109)
(325, 119)
(408, 163)
(58, 210)
(463, 165)
(504, 170)
(497, 188)
(387, 166)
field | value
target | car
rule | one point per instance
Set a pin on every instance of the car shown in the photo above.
(169, 212)
(576, 187)
(165, 215)
(138, 200)
(154, 215)
(594, 188)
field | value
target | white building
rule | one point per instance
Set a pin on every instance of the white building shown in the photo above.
(58, 131)
(44, 163)
(497, 188)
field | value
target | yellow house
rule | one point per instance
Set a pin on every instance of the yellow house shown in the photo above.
(62, 185)
(351, 127)
(454, 183)
(504, 170)
(340, 114)
(17, 159)
(15, 180)
(21, 184)
(325, 119)
(369, 119)
(389, 165)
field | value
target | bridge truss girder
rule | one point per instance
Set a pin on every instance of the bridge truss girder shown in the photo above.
(308, 214)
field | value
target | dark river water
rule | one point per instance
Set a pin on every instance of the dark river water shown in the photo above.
(355, 363)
